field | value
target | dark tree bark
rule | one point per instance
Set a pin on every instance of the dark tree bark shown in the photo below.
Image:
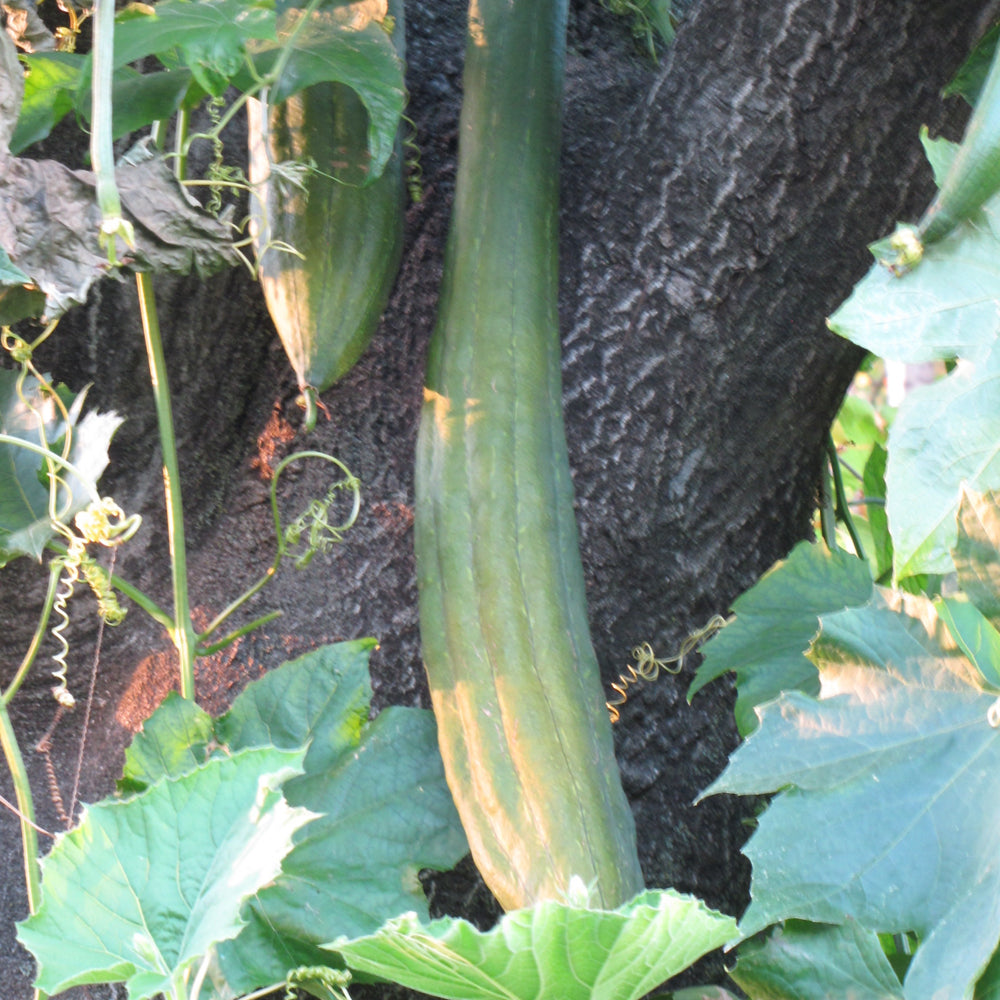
(715, 209)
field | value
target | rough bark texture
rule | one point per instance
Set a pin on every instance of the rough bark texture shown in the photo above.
(715, 210)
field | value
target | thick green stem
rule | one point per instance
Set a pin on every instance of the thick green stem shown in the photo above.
(842, 508)
(29, 839)
(183, 633)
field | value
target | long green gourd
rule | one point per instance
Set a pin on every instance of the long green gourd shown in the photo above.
(523, 728)
(326, 303)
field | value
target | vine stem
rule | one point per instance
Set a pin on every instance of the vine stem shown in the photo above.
(182, 634)
(26, 807)
(842, 508)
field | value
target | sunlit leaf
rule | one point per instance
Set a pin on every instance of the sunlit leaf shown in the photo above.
(775, 623)
(977, 551)
(939, 152)
(894, 773)
(380, 784)
(387, 814)
(551, 951)
(943, 308)
(945, 434)
(975, 636)
(30, 416)
(873, 484)
(144, 888)
(802, 961)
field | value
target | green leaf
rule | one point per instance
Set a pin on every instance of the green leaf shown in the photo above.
(173, 741)
(988, 987)
(975, 636)
(9, 273)
(939, 152)
(551, 951)
(387, 794)
(380, 784)
(895, 773)
(48, 95)
(211, 34)
(18, 302)
(873, 484)
(25, 526)
(321, 699)
(144, 888)
(971, 75)
(138, 99)
(945, 307)
(345, 45)
(776, 621)
(858, 423)
(977, 552)
(945, 434)
(802, 961)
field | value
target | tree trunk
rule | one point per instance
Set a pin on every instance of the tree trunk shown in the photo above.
(715, 210)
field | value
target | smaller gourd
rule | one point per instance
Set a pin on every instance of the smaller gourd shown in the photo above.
(329, 246)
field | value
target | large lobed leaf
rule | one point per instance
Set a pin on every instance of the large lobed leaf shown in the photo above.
(945, 307)
(776, 621)
(945, 434)
(888, 812)
(25, 525)
(551, 951)
(386, 810)
(141, 890)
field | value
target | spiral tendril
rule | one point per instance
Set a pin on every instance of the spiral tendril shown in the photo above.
(335, 980)
(102, 522)
(313, 525)
(648, 667)
(414, 170)
(67, 584)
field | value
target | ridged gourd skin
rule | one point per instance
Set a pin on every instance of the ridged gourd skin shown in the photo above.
(326, 304)
(523, 729)
(974, 174)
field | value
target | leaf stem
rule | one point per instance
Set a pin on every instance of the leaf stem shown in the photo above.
(182, 633)
(842, 508)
